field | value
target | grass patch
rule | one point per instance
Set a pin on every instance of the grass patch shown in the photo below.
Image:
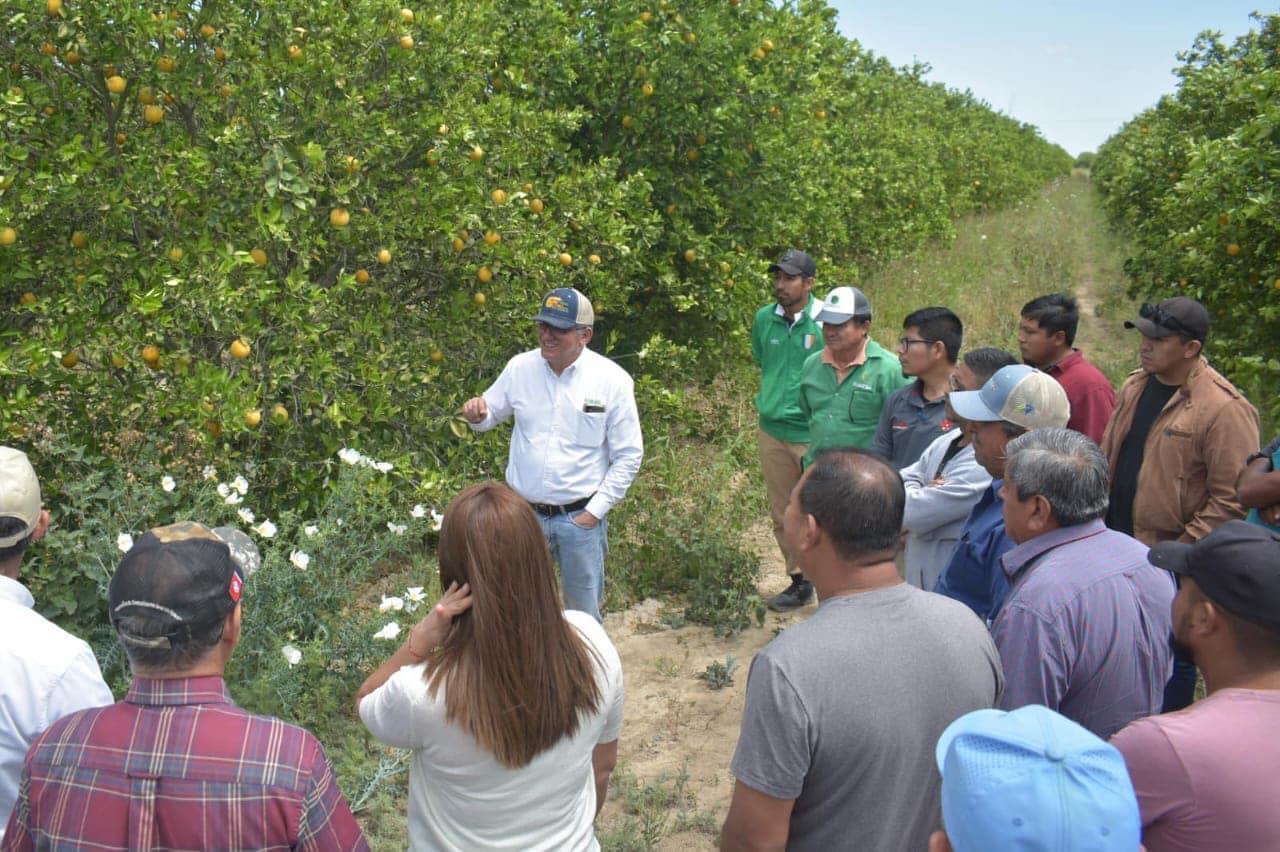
(651, 810)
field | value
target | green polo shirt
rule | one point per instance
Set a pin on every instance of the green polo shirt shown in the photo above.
(846, 414)
(780, 351)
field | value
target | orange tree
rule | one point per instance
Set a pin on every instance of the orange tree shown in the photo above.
(1195, 183)
(254, 233)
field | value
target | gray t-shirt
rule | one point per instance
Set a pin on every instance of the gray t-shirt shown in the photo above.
(843, 712)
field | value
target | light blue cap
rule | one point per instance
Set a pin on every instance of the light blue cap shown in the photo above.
(1032, 780)
(1019, 394)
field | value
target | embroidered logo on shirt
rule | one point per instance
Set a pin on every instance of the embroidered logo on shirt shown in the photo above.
(592, 406)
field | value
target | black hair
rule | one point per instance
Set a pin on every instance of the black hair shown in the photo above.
(13, 526)
(938, 324)
(1055, 312)
(858, 500)
(985, 361)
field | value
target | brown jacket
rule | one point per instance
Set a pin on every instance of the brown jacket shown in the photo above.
(1194, 452)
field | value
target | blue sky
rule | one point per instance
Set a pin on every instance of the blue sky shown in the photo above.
(1077, 70)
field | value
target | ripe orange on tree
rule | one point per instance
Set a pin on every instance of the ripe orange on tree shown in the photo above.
(535, 205)
(339, 217)
(492, 238)
(240, 349)
(362, 276)
(484, 275)
(259, 257)
(151, 356)
(565, 258)
(384, 256)
(153, 113)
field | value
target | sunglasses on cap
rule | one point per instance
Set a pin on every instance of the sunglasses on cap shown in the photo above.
(1166, 320)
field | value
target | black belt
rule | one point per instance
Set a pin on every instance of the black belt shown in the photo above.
(548, 510)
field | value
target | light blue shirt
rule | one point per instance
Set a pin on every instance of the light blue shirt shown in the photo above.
(576, 434)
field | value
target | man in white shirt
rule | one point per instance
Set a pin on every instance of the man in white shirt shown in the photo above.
(45, 672)
(576, 445)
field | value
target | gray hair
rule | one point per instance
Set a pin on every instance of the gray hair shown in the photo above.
(1062, 466)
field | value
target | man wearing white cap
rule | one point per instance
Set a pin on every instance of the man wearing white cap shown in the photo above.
(46, 672)
(1015, 400)
(576, 445)
(843, 387)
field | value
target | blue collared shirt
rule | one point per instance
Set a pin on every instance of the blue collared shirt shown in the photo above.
(1085, 629)
(974, 576)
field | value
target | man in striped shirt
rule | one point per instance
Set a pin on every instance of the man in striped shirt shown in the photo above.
(176, 764)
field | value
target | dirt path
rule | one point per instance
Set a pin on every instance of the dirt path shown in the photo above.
(675, 724)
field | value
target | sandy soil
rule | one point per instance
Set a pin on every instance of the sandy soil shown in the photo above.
(674, 723)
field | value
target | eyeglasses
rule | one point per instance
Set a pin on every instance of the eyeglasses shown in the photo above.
(904, 343)
(1165, 320)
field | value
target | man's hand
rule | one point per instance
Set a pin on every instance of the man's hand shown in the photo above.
(475, 409)
(585, 520)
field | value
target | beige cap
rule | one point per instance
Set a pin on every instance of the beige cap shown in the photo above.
(19, 493)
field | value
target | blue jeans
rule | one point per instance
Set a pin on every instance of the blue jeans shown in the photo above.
(580, 554)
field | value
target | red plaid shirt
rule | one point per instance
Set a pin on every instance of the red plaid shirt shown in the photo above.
(178, 765)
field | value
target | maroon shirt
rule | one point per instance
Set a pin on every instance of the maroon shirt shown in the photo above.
(177, 765)
(1091, 396)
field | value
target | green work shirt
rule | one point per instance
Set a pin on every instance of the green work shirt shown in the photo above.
(846, 414)
(780, 351)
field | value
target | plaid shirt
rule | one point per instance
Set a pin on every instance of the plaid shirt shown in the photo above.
(178, 765)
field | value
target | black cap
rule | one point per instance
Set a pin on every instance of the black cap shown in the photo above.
(179, 578)
(1236, 566)
(1178, 315)
(795, 262)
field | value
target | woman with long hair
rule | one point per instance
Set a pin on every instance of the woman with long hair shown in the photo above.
(512, 706)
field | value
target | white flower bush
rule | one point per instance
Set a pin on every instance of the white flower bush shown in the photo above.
(246, 515)
(390, 630)
(398, 529)
(266, 529)
(124, 542)
(310, 530)
(300, 560)
(292, 655)
(240, 484)
(210, 473)
(167, 483)
(391, 603)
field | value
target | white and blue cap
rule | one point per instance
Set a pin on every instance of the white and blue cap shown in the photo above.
(1031, 780)
(565, 307)
(19, 493)
(843, 304)
(1019, 394)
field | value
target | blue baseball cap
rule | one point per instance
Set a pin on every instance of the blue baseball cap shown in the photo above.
(1031, 780)
(1020, 394)
(565, 307)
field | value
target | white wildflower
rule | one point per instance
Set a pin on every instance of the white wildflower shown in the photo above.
(350, 456)
(310, 530)
(300, 560)
(383, 467)
(209, 472)
(391, 603)
(437, 520)
(266, 529)
(338, 522)
(390, 630)
(240, 484)
(167, 483)
(233, 499)
(418, 511)
(246, 515)
(398, 529)
(223, 489)
(124, 542)
(413, 598)
(291, 655)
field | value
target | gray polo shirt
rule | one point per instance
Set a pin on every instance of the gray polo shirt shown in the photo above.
(843, 711)
(909, 424)
(1085, 628)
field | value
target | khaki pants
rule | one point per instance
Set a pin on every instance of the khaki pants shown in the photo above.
(780, 463)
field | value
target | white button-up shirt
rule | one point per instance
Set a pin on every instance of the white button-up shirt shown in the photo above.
(576, 434)
(45, 673)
